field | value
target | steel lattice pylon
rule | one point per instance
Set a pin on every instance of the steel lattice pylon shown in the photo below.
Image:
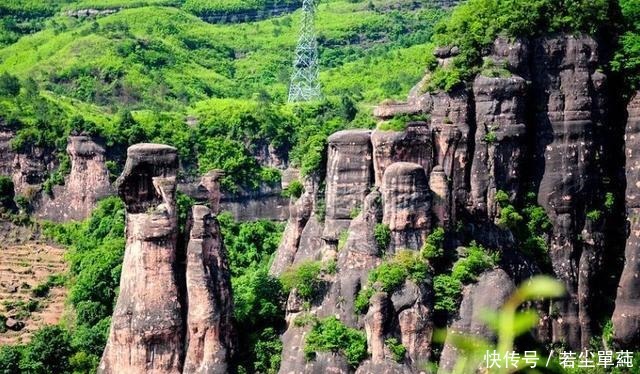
(304, 84)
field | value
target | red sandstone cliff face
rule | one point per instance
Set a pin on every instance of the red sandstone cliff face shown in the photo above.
(542, 130)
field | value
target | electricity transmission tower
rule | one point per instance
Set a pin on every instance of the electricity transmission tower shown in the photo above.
(304, 79)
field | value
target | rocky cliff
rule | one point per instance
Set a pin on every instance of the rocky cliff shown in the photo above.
(87, 182)
(541, 129)
(167, 319)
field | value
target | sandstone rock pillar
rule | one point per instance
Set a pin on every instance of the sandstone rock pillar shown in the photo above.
(209, 317)
(147, 331)
(626, 317)
(568, 95)
(499, 141)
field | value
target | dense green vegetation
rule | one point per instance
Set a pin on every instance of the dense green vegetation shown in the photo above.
(137, 74)
(390, 275)
(447, 284)
(95, 255)
(258, 297)
(331, 335)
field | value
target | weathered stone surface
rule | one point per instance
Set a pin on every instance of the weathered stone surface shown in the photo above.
(626, 317)
(147, 329)
(390, 110)
(450, 122)
(300, 212)
(6, 151)
(407, 204)
(349, 176)
(413, 305)
(210, 333)
(412, 145)
(489, 293)
(512, 55)
(265, 203)
(568, 92)
(87, 182)
(211, 183)
(31, 167)
(500, 143)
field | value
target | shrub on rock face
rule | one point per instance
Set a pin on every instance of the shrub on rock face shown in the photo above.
(331, 335)
(305, 279)
(382, 233)
(397, 349)
(294, 190)
(391, 275)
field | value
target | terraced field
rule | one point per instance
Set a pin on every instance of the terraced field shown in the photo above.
(22, 269)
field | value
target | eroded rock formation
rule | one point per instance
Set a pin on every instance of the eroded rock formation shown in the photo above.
(87, 182)
(536, 121)
(164, 321)
(488, 294)
(569, 90)
(626, 317)
(210, 332)
(349, 176)
(407, 203)
(147, 329)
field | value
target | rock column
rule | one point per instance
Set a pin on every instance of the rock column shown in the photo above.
(147, 330)
(626, 317)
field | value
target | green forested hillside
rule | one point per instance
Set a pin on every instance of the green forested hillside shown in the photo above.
(164, 63)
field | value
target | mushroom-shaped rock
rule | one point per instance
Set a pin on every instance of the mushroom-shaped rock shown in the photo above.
(147, 330)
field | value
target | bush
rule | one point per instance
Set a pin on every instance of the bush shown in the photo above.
(331, 335)
(9, 85)
(6, 191)
(609, 201)
(48, 352)
(10, 357)
(433, 246)
(394, 124)
(268, 352)
(361, 303)
(293, 190)
(382, 233)
(448, 287)
(391, 275)
(397, 349)
(304, 278)
(594, 215)
(447, 293)
(249, 245)
(509, 217)
(473, 263)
